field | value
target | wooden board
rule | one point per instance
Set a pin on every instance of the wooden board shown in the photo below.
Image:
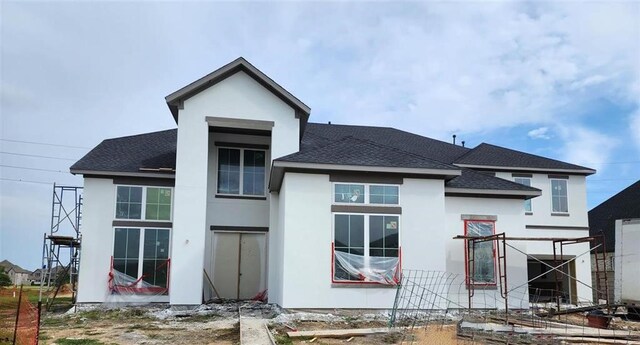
(338, 333)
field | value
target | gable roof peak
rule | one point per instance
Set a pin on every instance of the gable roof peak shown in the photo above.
(175, 99)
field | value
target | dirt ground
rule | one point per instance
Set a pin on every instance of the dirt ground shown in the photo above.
(219, 324)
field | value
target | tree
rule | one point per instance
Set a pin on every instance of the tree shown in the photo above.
(4, 278)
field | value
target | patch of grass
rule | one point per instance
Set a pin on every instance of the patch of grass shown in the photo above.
(283, 339)
(80, 341)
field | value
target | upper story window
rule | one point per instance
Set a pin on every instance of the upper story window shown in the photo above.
(145, 203)
(559, 196)
(241, 171)
(527, 182)
(366, 194)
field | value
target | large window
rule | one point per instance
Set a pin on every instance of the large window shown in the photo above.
(241, 171)
(527, 182)
(559, 197)
(366, 249)
(140, 257)
(481, 266)
(366, 194)
(156, 206)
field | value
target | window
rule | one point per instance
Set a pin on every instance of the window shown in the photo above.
(366, 249)
(157, 205)
(129, 202)
(527, 182)
(480, 258)
(559, 198)
(241, 171)
(148, 270)
(366, 194)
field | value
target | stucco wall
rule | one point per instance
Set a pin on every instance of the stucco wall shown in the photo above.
(237, 97)
(97, 245)
(307, 230)
(541, 205)
(509, 213)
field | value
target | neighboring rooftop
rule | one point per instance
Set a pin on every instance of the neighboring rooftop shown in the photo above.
(624, 205)
(491, 156)
(7, 265)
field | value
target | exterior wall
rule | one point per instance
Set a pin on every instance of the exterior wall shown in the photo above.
(97, 240)
(97, 245)
(627, 262)
(237, 97)
(235, 212)
(541, 205)
(18, 278)
(509, 213)
(307, 236)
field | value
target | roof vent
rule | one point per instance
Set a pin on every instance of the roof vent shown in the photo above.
(454, 139)
(462, 143)
(329, 122)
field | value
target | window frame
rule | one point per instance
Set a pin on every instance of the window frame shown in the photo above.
(566, 196)
(367, 194)
(528, 201)
(143, 210)
(241, 172)
(141, 258)
(468, 279)
(366, 248)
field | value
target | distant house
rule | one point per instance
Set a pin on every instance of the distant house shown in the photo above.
(602, 219)
(17, 274)
(249, 191)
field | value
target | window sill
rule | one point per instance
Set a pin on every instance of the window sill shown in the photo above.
(245, 197)
(363, 285)
(528, 213)
(558, 214)
(142, 223)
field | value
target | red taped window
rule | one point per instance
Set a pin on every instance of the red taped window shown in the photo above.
(480, 257)
(366, 249)
(140, 261)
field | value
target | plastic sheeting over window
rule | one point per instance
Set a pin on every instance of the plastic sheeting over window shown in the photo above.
(481, 270)
(125, 288)
(375, 269)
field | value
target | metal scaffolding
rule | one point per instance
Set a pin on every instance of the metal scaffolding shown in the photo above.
(61, 246)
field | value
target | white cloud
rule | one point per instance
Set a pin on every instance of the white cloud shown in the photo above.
(586, 147)
(539, 133)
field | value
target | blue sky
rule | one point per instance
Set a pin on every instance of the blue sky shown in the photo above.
(558, 79)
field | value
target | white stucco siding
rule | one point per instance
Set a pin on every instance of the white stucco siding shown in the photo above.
(307, 226)
(235, 212)
(510, 214)
(241, 97)
(97, 240)
(236, 97)
(541, 205)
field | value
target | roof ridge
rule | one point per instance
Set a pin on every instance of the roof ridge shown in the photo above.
(140, 134)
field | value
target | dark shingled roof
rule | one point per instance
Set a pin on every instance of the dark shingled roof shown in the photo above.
(492, 155)
(624, 205)
(412, 143)
(353, 151)
(129, 154)
(477, 180)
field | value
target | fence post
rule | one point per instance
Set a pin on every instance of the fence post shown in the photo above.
(38, 324)
(15, 329)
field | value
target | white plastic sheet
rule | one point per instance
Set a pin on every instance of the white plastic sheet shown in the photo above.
(383, 270)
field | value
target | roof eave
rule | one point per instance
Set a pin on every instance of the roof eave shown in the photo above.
(492, 192)
(527, 169)
(121, 173)
(278, 169)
